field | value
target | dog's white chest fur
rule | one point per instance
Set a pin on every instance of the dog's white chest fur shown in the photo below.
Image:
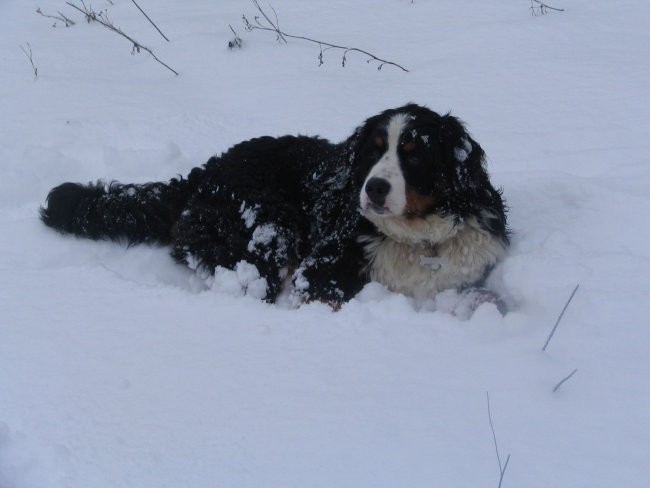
(422, 269)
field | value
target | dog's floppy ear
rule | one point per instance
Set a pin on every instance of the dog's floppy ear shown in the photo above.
(353, 144)
(464, 160)
(356, 144)
(463, 157)
(360, 135)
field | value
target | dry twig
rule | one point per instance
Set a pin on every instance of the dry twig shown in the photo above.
(564, 380)
(502, 468)
(235, 41)
(560, 317)
(539, 8)
(28, 53)
(265, 23)
(57, 18)
(102, 18)
(151, 21)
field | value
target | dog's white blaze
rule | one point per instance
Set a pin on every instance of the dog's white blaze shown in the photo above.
(389, 169)
(403, 266)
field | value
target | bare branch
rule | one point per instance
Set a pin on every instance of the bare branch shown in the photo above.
(560, 317)
(60, 18)
(564, 380)
(102, 18)
(28, 53)
(539, 8)
(275, 27)
(503, 472)
(235, 41)
(502, 468)
(151, 21)
(270, 25)
(494, 436)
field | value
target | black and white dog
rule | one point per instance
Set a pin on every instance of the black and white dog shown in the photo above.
(405, 201)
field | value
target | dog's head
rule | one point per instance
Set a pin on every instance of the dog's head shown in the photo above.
(420, 173)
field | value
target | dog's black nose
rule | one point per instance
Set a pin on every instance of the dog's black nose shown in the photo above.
(377, 189)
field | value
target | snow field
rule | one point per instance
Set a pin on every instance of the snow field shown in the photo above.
(119, 368)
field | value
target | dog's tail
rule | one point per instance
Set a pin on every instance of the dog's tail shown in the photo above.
(131, 212)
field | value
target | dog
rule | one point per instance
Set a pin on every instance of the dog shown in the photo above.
(405, 201)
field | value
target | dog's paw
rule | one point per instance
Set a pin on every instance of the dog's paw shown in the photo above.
(473, 298)
(463, 304)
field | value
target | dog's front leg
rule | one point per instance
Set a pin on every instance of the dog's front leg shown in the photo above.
(330, 274)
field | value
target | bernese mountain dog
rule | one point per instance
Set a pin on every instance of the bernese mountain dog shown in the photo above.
(405, 201)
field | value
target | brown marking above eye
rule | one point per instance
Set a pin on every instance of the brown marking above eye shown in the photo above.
(409, 146)
(379, 142)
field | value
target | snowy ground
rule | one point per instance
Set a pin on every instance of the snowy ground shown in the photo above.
(117, 369)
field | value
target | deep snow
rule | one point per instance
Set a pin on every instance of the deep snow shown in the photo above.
(119, 368)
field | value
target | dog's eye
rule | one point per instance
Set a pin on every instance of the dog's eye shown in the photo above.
(409, 147)
(375, 147)
(409, 150)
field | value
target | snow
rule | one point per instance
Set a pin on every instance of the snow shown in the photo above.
(461, 153)
(248, 215)
(262, 236)
(243, 280)
(119, 368)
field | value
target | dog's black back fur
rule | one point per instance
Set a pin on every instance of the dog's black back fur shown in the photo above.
(297, 191)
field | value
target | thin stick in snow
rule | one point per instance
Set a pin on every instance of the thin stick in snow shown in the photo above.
(560, 317)
(28, 53)
(57, 19)
(565, 379)
(235, 41)
(152, 23)
(502, 469)
(542, 8)
(102, 18)
(281, 36)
